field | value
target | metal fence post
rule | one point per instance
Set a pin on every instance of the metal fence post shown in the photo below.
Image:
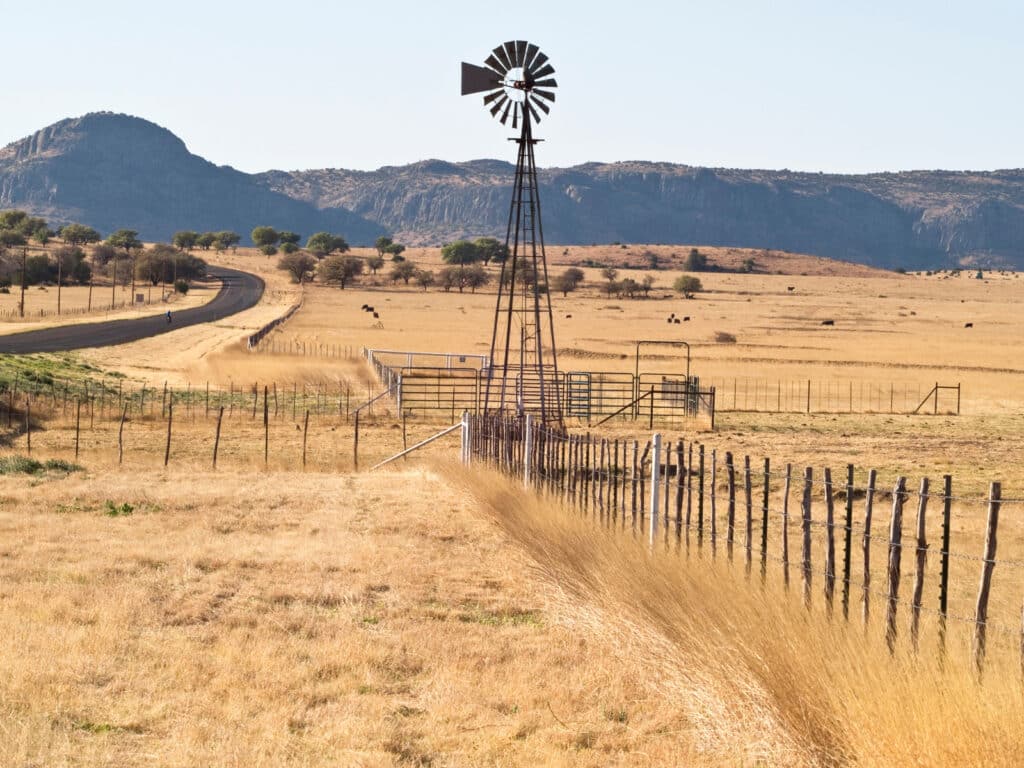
(467, 448)
(655, 474)
(527, 448)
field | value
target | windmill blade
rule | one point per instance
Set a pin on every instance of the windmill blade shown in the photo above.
(500, 103)
(549, 83)
(541, 104)
(544, 95)
(528, 109)
(492, 96)
(502, 57)
(515, 116)
(544, 71)
(538, 62)
(531, 51)
(477, 79)
(521, 53)
(497, 66)
(510, 51)
(504, 115)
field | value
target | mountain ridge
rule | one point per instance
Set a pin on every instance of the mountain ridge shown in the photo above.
(110, 170)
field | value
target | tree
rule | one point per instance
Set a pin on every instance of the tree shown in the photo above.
(289, 237)
(396, 250)
(324, 243)
(185, 240)
(568, 281)
(491, 250)
(288, 247)
(609, 274)
(156, 266)
(460, 252)
(646, 283)
(71, 265)
(263, 236)
(375, 263)
(382, 244)
(102, 253)
(299, 265)
(449, 278)
(125, 239)
(340, 270)
(748, 266)
(39, 270)
(206, 240)
(79, 234)
(630, 287)
(652, 259)
(404, 271)
(424, 278)
(9, 238)
(268, 250)
(475, 276)
(228, 239)
(687, 285)
(695, 261)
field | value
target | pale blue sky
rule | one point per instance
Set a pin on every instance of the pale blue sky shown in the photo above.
(853, 86)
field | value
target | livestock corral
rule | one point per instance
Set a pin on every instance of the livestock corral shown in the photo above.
(799, 482)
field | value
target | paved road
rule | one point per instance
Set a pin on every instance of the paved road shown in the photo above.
(239, 290)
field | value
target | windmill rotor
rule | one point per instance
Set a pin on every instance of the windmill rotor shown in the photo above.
(515, 80)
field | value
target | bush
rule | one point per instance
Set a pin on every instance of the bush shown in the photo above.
(118, 510)
(181, 287)
(687, 285)
(724, 338)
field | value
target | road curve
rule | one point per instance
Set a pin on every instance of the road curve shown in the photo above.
(239, 291)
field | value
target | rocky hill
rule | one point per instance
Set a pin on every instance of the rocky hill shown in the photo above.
(913, 219)
(111, 171)
(117, 171)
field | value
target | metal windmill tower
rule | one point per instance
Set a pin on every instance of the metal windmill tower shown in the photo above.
(517, 83)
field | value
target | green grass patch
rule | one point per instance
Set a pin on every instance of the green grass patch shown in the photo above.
(118, 510)
(26, 465)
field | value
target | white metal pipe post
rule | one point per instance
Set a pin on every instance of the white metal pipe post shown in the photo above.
(653, 509)
(527, 448)
(467, 449)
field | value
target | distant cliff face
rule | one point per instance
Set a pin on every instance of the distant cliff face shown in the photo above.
(112, 171)
(914, 219)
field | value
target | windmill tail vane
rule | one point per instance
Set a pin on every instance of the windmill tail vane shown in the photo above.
(517, 83)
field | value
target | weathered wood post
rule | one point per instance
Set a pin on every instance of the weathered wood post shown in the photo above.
(78, 424)
(216, 437)
(730, 519)
(355, 442)
(28, 425)
(266, 426)
(869, 501)
(847, 541)
(895, 553)
(785, 526)
(305, 434)
(988, 564)
(633, 481)
(120, 433)
(700, 493)
(922, 560)
(748, 534)
(170, 420)
(764, 518)
(714, 501)
(643, 481)
(655, 486)
(527, 449)
(947, 506)
(830, 542)
(805, 557)
(679, 488)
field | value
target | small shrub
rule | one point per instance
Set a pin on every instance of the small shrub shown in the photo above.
(724, 338)
(181, 287)
(118, 510)
(19, 465)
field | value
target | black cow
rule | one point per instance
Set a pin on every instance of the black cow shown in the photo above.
(828, 322)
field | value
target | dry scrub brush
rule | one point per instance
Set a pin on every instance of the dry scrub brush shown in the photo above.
(765, 678)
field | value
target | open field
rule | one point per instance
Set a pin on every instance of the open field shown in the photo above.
(327, 616)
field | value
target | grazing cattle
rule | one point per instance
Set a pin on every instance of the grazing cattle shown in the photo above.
(568, 317)
(790, 287)
(363, 307)
(968, 325)
(828, 322)
(676, 321)
(375, 315)
(369, 308)
(686, 319)
(668, 320)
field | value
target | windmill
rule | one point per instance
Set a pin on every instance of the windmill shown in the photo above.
(517, 83)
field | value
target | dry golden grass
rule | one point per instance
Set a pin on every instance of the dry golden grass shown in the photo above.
(325, 620)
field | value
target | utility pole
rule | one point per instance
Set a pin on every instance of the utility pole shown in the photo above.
(113, 282)
(24, 261)
(60, 275)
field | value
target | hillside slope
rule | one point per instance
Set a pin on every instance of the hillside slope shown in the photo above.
(113, 171)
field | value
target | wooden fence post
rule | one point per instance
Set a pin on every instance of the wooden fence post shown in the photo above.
(633, 480)
(895, 552)
(120, 434)
(527, 449)
(830, 542)
(947, 506)
(714, 495)
(266, 426)
(748, 543)
(28, 425)
(654, 507)
(805, 559)
(700, 493)
(679, 488)
(847, 541)
(78, 424)
(988, 564)
(785, 526)
(355, 442)
(730, 520)
(170, 419)
(869, 501)
(305, 433)
(922, 559)
(216, 438)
